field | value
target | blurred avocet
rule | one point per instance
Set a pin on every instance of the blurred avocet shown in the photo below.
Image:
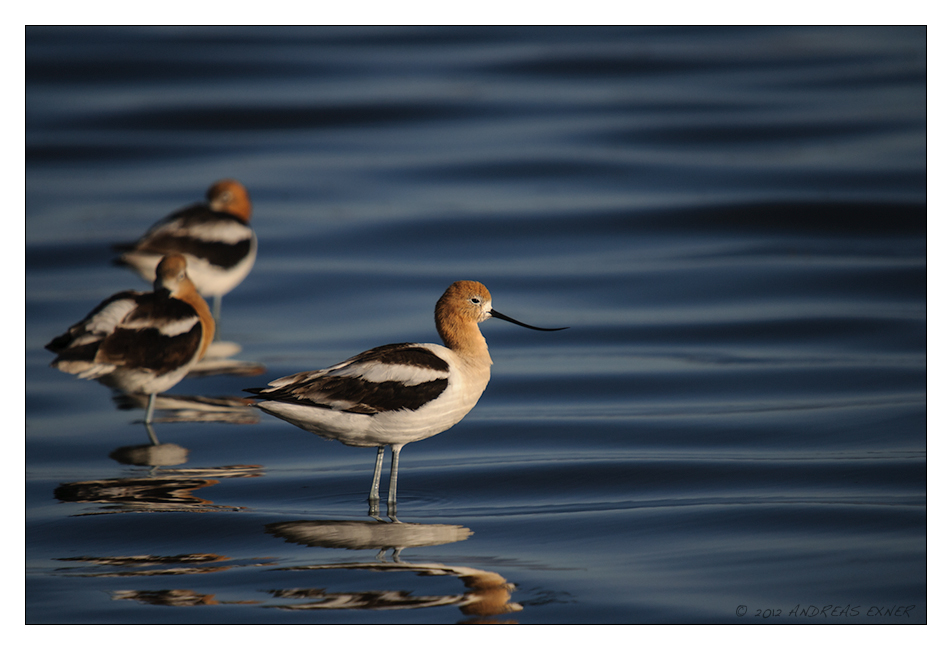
(399, 393)
(215, 238)
(140, 342)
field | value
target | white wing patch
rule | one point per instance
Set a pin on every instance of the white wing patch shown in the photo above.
(224, 231)
(374, 372)
(168, 328)
(105, 321)
(377, 372)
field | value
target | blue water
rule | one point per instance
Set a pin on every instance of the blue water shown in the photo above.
(732, 222)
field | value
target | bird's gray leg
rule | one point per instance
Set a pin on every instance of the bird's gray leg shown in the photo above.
(151, 432)
(394, 466)
(149, 409)
(375, 487)
(216, 315)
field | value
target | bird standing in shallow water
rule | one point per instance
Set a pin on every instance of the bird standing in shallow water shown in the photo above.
(399, 393)
(140, 342)
(215, 238)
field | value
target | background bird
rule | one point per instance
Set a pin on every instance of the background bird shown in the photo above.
(140, 342)
(215, 237)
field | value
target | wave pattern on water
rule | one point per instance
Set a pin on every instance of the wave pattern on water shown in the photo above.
(731, 221)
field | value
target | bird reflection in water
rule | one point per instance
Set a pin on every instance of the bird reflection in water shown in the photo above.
(142, 566)
(193, 408)
(178, 408)
(165, 490)
(487, 594)
(166, 597)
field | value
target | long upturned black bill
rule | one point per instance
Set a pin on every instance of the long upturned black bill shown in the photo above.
(496, 314)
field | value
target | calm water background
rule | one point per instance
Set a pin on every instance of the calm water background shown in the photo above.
(732, 222)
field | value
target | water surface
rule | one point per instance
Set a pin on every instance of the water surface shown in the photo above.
(731, 221)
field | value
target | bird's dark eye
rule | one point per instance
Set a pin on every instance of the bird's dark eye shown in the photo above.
(475, 300)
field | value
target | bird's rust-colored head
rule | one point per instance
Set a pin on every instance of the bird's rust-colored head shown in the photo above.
(228, 195)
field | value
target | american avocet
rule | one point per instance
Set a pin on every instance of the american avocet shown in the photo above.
(215, 238)
(140, 342)
(399, 393)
